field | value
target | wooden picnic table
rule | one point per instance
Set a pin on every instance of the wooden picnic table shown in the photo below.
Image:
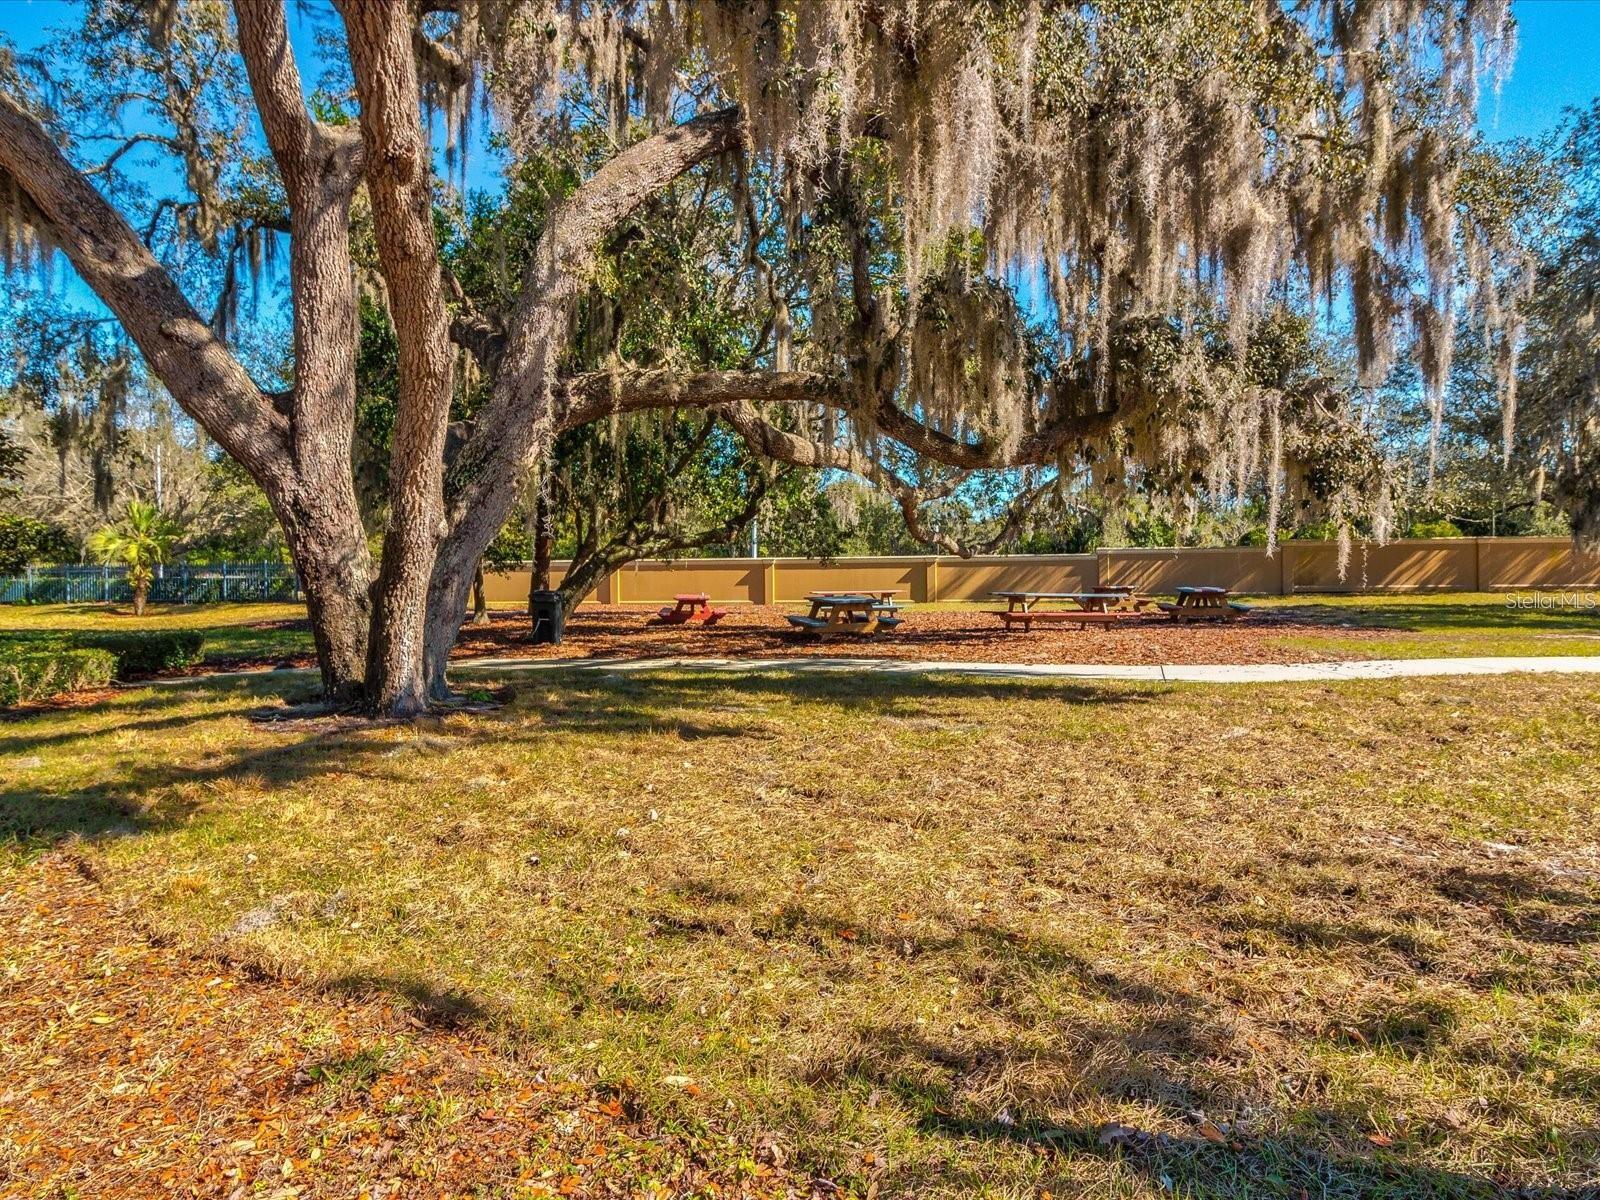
(885, 595)
(1101, 607)
(847, 612)
(1204, 604)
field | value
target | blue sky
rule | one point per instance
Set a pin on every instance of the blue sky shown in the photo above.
(1557, 67)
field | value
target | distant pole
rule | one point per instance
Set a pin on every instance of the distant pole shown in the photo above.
(755, 537)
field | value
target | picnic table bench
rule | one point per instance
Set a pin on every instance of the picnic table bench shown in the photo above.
(1107, 606)
(1204, 604)
(847, 612)
(689, 606)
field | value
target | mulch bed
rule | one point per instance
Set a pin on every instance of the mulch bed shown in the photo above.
(131, 1068)
(760, 631)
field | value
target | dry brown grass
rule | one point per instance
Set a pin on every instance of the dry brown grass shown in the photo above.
(933, 936)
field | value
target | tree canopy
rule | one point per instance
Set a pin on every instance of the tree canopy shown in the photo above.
(933, 239)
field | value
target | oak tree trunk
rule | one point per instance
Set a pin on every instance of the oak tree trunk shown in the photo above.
(399, 182)
(480, 606)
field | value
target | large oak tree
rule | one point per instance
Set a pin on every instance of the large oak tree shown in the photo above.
(947, 177)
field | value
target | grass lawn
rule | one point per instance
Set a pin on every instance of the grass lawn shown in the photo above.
(1448, 625)
(938, 938)
(232, 631)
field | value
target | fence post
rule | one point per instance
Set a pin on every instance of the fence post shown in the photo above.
(27, 587)
(105, 583)
(224, 579)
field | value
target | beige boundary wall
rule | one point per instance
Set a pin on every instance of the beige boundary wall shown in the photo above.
(1442, 564)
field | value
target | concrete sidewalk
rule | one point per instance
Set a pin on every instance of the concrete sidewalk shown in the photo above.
(1377, 668)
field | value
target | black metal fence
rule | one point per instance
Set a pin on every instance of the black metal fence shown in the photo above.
(180, 584)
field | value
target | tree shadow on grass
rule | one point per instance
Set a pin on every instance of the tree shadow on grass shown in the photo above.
(140, 796)
(1526, 903)
(440, 1007)
(1239, 1169)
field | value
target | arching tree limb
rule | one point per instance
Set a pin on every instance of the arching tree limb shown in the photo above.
(197, 368)
(518, 421)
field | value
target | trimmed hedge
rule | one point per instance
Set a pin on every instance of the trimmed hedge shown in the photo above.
(145, 651)
(38, 674)
(38, 667)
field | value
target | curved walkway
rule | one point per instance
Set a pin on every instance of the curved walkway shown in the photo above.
(1373, 668)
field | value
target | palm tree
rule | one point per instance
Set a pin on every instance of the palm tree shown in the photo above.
(141, 542)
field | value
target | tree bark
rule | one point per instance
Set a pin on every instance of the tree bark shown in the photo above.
(399, 182)
(320, 166)
(480, 605)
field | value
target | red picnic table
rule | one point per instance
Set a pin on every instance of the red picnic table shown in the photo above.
(690, 606)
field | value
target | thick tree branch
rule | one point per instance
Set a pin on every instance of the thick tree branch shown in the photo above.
(183, 352)
(599, 394)
(517, 413)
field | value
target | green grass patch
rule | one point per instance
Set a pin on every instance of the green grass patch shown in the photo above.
(932, 934)
(230, 631)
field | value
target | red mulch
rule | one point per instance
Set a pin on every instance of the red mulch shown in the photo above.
(131, 1068)
(596, 631)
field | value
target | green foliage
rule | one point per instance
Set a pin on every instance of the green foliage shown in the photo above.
(32, 672)
(24, 540)
(145, 651)
(141, 543)
(1434, 529)
(34, 666)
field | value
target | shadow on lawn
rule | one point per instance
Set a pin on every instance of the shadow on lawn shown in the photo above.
(1252, 1167)
(622, 701)
(139, 796)
(1143, 1056)
(142, 796)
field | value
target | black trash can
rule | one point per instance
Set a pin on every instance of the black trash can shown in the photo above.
(548, 616)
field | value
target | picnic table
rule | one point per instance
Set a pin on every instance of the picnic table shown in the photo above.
(884, 595)
(689, 606)
(1104, 606)
(847, 612)
(1204, 604)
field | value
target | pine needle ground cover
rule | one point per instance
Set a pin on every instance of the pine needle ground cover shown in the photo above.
(934, 938)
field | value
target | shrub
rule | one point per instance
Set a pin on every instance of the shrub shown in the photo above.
(39, 672)
(144, 652)
(38, 667)
(1434, 529)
